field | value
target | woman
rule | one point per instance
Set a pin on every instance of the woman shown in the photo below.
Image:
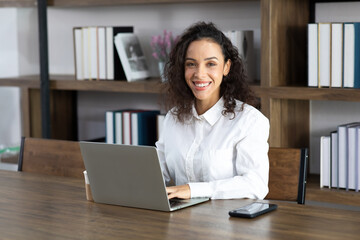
(213, 143)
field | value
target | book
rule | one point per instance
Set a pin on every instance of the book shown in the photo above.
(334, 160)
(109, 53)
(109, 126)
(92, 53)
(78, 53)
(351, 55)
(325, 161)
(243, 40)
(351, 157)
(313, 78)
(85, 52)
(131, 56)
(101, 53)
(143, 127)
(324, 54)
(343, 153)
(336, 54)
(159, 124)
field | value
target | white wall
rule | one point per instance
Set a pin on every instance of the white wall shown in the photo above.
(147, 20)
(9, 96)
(18, 56)
(326, 115)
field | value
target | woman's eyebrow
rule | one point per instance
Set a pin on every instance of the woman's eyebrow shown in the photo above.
(206, 59)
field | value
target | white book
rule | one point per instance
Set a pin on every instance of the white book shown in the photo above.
(118, 128)
(343, 153)
(336, 54)
(93, 56)
(109, 119)
(349, 55)
(127, 128)
(78, 53)
(334, 160)
(325, 161)
(351, 157)
(109, 54)
(134, 129)
(101, 53)
(324, 54)
(313, 55)
(159, 124)
(86, 63)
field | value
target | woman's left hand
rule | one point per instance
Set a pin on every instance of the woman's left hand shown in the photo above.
(182, 191)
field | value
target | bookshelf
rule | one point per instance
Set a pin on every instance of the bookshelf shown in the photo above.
(283, 77)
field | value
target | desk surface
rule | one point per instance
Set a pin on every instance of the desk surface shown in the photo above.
(46, 207)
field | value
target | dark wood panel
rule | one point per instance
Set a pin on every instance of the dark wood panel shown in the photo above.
(283, 42)
(52, 157)
(289, 121)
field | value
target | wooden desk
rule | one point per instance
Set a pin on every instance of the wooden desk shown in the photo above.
(46, 207)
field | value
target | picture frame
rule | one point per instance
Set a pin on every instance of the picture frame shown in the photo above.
(131, 56)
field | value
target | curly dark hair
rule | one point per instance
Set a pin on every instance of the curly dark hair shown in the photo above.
(234, 85)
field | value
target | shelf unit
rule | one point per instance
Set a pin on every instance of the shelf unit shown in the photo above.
(282, 90)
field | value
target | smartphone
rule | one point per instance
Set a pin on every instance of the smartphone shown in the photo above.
(253, 210)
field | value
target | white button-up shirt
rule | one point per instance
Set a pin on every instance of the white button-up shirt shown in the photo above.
(219, 156)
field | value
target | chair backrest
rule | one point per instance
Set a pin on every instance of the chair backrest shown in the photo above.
(287, 174)
(52, 157)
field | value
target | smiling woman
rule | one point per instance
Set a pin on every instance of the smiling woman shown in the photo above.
(213, 143)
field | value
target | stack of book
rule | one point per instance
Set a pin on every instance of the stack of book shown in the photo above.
(334, 55)
(340, 158)
(132, 127)
(98, 57)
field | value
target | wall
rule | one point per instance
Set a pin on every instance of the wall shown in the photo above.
(326, 115)
(147, 20)
(9, 96)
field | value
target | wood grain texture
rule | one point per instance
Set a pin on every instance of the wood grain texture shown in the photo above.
(69, 3)
(284, 173)
(333, 195)
(47, 207)
(52, 157)
(283, 42)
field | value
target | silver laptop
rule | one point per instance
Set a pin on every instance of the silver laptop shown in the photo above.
(130, 176)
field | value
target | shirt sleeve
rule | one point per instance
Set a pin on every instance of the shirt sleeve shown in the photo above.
(251, 164)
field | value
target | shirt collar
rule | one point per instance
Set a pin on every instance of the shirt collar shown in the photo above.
(211, 115)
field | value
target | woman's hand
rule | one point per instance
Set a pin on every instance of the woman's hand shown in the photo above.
(182, 191)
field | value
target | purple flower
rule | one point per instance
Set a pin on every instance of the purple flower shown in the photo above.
(162, 45)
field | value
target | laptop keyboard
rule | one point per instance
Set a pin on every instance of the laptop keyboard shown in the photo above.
(174, 202)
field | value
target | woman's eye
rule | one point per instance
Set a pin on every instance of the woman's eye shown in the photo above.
(190, 64)
(211, 64)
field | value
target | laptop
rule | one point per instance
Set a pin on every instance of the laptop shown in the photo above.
(130, 176)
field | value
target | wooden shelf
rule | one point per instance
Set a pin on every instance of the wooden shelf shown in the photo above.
(335, 196)
(153, 85)
(18, 3)
(67, 82)
(89, 3)
(307, 93)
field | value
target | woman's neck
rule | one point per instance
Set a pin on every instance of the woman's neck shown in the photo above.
(202, 106)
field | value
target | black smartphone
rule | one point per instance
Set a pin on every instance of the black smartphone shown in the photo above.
(253, 210)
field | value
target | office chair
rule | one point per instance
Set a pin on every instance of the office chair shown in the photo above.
(287, 174)
(52, 157)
